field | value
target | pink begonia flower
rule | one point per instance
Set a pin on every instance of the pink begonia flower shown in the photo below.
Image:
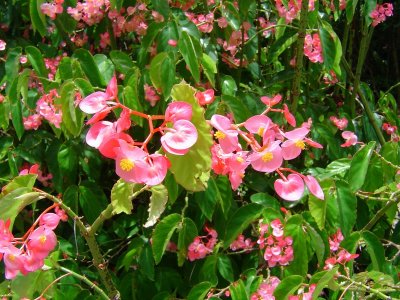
(98, 132)
(157, 167)
(2, 45)
(227, 137)
(237, 164)
(314, 187)
(130, 163)
(112, 89)
(41, 241)
(294, 144)
(49, 220)
(13, 261)
(178, 110)
(178, 139)
(350, 137)
(268, 159)
(313, 48)
(288, 116)
(258, 124)
(271, 101)
(99, 116)
(172, 43)
(222, 22)
(335, 240)
(32, 122)
(111, 142)
(339, 123)
(380, 13)
(206, 97)
(150, 95)
(291, 189)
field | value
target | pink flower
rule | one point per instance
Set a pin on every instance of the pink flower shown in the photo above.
(268, 159)
(172, 43)
(288, 116)
(314, 187)
(206, 97)
(32, 122)
(2, 45)
(339, 123)
(13, 261)
(50, 220)
(41, 241)
(335, 240)
(313, 48)
(350, 137)
(226, 135)
(178, 139)
(271, 101)
(178, 110)
(241, 243)
(150, 95)
(291, 189)
(222, 22)
(295, 144)
(130, 163)
(157, 166)
(380, 13)
(258, 124)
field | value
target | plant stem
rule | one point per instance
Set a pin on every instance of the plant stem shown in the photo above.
(365, 103)
(299, 57)
(105, 215)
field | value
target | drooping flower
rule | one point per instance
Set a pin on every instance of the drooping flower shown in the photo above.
(294, 144)
(226, 135)
(178, 139)
(291, 189)
(350, 137)
(268, 159)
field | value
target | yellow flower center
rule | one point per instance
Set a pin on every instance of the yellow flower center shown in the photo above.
(42, 239)
(300, 144)
(239, 159)
(126, 164)
(220, 135)
(260, 131)
(267, 157)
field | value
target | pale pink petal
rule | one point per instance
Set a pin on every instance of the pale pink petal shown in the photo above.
(258, 124)
(292, 189)
(271, 101)
(268, 160)
(178, 111)
(112, 89)
(290, 150)
(98, 132)
(182, 136)
(288, 116)
(297, 134)
(156, 170)
(314, 187)
(94, 103)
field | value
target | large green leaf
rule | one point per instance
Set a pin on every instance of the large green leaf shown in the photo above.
(208, 271)
(238, 290)
(151, 33)
(12, 64)
(225, 267)
(68, 162)
(209, 68)
(294, 228)
(158, 200)
(288, 286)
(92, 200)
(331, 47)
(375, 250)
(121, 196)
(187, 233)
(37, 17)
(35, 57)
(239, 110)
(199, 291)
(283, 43)
(89, 66)
(359, 166)
(318, 208)
(27, 181)
(16, 108)
(162, 234)
(190, 49)
(72, 118)
(32, 284)
(192, 170)
(240, 220)
(322, 279)
(162, 72)
(122, 61)
(347, 204)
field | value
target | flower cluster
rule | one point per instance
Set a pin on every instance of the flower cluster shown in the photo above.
(45, 109)
(52, 9)
(241, 243)
(134, 163)
(305, 296)
(290, 10)
(27, 254)
(313, 48)
(89, 11)
(339, 123)
(381, 12)
(266, 289)
(278, 247)
(341, 256)
(269, 145)
(202, 245)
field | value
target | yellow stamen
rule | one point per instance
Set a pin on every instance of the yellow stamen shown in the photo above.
(260, 131)
(267, 157)
(239, 159)
(126, 164)
(220, 135)
(42, 239)
(300, 144)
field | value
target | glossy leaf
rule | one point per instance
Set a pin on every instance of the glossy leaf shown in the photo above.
(347, 204)
(225, 267)
(199, 291)
(89, 66)
(27, 181)
(162, 72)
(209, 68)
(293, 228)
(122, 61)
(375, 250)
(16, 108)
(193, 177)
(228, 85)
(208, 271)
(238, 290)
(187, 233)
(36, 59)
(240, 220)
(158, 200)
(151, 33)
(105, 67)
(331, 47)
(239, 110)
(72, 117)
(287, 287)
(37, 17)
(318, 208)
(190, 49)
(359, 166)
(324, 278)
(162, 235)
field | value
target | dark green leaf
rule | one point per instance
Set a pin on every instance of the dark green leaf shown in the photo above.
(287, 287)
(146, 262)
(162, 235)
(238, 290)
(152, 31)
(122, 61)
(240, 220)
(324, 278)
(105, 67)
(294, 228)
(228, 85)
(280, 46)
(190, 49)
(162, 7)
(199, 291)
(92, 200)
(89, 67)
(16, 109)
(359, 166)
(240, 111)
(331, 47)
(37, 17)
(36, 59)
(187, 233)
(347, 204)
(375, 250)
(225, 268)
(12, 64)
(72, 117)
(162, 72)
(208, 271)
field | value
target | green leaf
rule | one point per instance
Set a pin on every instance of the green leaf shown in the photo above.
(347, 204)
(228, 85)
(240, 220)
(121, 196)
(105, 67)
(351, 6)
(16, 109)
(12, 64)
(158, 200)
(209, 68)
(131, 94)
(208, 271)
(68, 161)
(294, 228)
(244, 6)
(151, 33)
(36, 59)
(187, 233)
(72, 118)
(162, 7)
(14, 202)
(33, 284)
(5, 143)
(190, 49)
(146, 262)
(375, 250)
(238, 290)
(225, 267)
(92, 200)
(359, 166)
(287, 287)
(225, 198)
(89, 66)
(27, 181)
(278, 47)
(331, 47)
(37, 17)
(317, 243)
(193, 176)
(368, 7)
(199, 291)
(265, 200)
(318, 208)
(162, 235)
(122, 61)
(324, 278)
(162, 72)
(239, 110)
